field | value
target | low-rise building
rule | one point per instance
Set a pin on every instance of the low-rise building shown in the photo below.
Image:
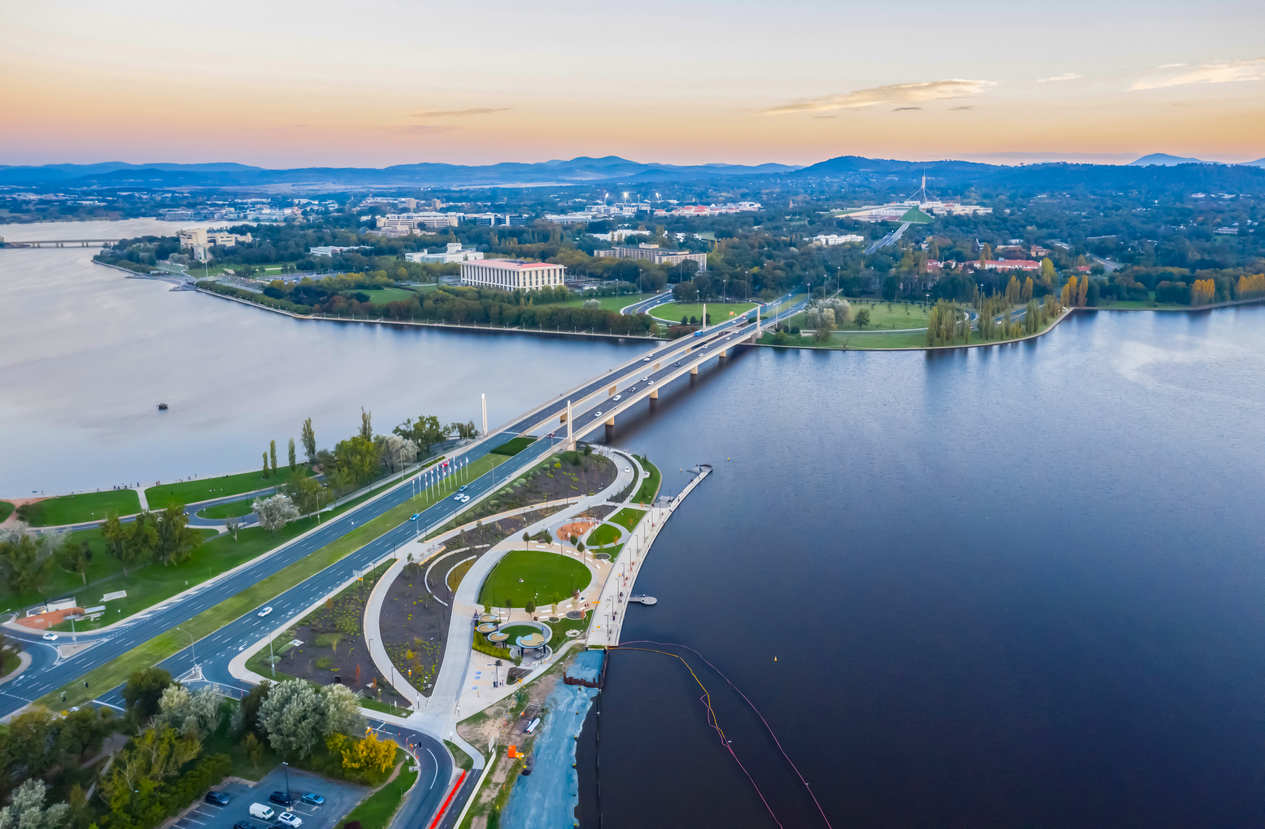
(454, 253)
(333, 250)
(405, 224)
(838, 239)
(1011, 265)
(203, 237)
(655, 254)
(512, 274)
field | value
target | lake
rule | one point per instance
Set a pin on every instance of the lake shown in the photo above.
(87, 354)
(1016, 586)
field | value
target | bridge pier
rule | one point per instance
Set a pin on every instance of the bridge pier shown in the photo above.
(694, 370)
(654, 394)
(724, 354)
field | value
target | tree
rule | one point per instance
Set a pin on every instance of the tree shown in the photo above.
(252, 702)
(397, 452)
(530, 607)
(358, 457)
(425, 432)
(295, 716)
(1047, 272)
(26, 561)
(175, 541)
(113, 534)
(342, 710)
(272, 455)
(196, 713)
(76, 557)
(139, 541)
(308, 436)
(233, 525)
(307, 493)
(254, 749)
(265, 464)
(863, 318)
(293, 460)
(83, 732)
(369, 753)
(144, 689)
(139, 770)
(27, 810)
(275, 512)
(366, 424)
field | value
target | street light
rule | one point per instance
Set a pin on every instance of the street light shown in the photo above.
(192, 645)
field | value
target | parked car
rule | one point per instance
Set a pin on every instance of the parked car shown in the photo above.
(244, 824)
(290, 819)
(265, 612)
(281, 798)
(259, 810)
(217, 798)
(313, 799)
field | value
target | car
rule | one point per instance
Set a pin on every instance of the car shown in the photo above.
(463, 488)
(678, 363)
(265, 612)
(649, 382)
(618, 397)
(457, 497)
(465, 498)
(415, 516)
(281, 798)
(217, 798)
(644, 379)
(290, 819)
(597, 414)
(628, 469)
(262, 812)
(244, 824)
(50, 637)
(645, 359)
(313, 799)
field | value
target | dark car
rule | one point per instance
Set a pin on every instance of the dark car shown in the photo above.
(217, 798)
(244, 824)
(313, 799)
(282, 798)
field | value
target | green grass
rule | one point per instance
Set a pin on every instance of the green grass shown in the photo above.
(560, 629)
(459, 757)
(881, 316)
(628, 517)
(233, 509)
(603, 535)
(6, 509)
(381, 296)
(719, 311)
(851, 340)
(204, 489)
(515, 631)
(606, 303)
(11, 662)
(513, 446)
(64, 583)
(212, 619)
(547, 578)
(649, 488)
(77, 509)
(376, 810)
(611, 552)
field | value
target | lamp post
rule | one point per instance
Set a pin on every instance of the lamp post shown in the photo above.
(286, 766)
(193, 645)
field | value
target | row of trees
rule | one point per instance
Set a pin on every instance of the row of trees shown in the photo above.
(151, 537)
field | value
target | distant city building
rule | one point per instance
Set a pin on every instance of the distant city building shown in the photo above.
(512, 274)
(655, 254)
(454, 253)
(711, 209)
(623, 233)
(498, 219)
(838, 239)
(202, 237)
(333, 250)
(1011, 265)
(406, 224)
(571, 218)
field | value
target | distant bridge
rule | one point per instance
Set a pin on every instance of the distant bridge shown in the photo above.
(57, 243)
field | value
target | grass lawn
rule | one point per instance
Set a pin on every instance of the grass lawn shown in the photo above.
(603, 535)
(513, 446)
(86, 506)
(459, 757)
(1140, 305)
(719, 311)
(212, 619)
(203, 489)
(628, 517)
(233, 509)
(515, 631)
(607, 303)
(649, 488)
(6, 509)
(381, 296)
(546, 578)
(65, 583)
(11, 663)
(882, 316)
(560, 629)
(376, 810)
(853, 340)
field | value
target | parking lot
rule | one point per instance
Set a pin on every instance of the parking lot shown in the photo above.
(340, 798)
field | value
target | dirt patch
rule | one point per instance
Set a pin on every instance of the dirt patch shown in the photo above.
(498, 721)
(568, 475)
(44, 621)
(575, 528)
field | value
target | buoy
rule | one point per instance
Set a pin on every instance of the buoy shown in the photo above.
(775, 659)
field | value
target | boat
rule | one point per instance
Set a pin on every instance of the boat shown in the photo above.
(162, 407)
(643, 598)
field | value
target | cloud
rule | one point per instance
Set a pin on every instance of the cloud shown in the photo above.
(961, 109)
(1066, 76)
(1170, 66)
(422, 129)
(458, 113)
(1220, 72)
(901, 93)
(905, 109)
(824, 117)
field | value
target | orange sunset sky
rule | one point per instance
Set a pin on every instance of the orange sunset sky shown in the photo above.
(384, 82)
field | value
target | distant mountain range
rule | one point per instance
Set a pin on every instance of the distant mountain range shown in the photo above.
(575, 171)
(1156, 170)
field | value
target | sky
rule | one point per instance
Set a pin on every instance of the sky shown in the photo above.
(381, 82)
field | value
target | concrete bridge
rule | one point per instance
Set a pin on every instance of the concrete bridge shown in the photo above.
(57, 243)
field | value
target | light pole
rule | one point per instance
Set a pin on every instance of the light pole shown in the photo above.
(286, 766)
(192, 645)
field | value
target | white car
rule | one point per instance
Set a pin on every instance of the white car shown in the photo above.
(265, 612)
(644, 379)
(290, 819)
(465, 498)
(645, 359)
(628, 469)
(649, 382)
(50, 637)
(597, 414)
(457, 497)
(618, 397)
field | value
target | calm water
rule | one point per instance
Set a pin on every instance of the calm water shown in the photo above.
(86, 355)
(1013, 587)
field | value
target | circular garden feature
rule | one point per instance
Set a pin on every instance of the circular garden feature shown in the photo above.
(533, 576)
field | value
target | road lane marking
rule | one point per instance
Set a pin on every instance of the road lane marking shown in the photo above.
(436, 777)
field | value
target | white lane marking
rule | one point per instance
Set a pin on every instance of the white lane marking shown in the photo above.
(436, 777)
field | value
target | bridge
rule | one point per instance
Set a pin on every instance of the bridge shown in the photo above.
(57, 243)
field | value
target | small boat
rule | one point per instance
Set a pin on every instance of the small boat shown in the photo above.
(643, 598)
(162, 407)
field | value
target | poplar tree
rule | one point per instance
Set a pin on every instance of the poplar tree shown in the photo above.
(293, 461)
(308, 436)
(272, 453)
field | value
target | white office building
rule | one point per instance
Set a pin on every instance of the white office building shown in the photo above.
(512, 275)
(455, 253)
(838, 239)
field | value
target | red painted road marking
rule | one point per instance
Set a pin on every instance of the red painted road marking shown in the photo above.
(448, 801)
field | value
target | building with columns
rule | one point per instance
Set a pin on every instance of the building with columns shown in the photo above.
(512, 274)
